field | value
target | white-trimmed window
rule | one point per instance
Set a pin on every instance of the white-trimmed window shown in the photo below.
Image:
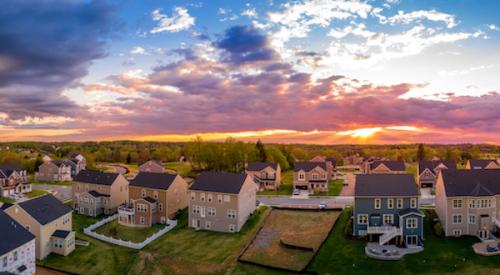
(232, 228)
(302, 175)
(227, 198)
(457, 232)
(413, 203)
(231, 214)
(378, 203)
(390, 203)
(209, 198)
(196, 209)
(362, 218)
(457, 203)
(388, 218)
(211, 211)
(143, 191)
(155, 195)
(315, 176)
(399, 203)
(208, 224)
(142, 207)
(160, 207)
(143, 220)
(472, 219)
(411, 223)
(219, 198)
(202, 197)
(471, 204)
(457, 218)
(193, 196)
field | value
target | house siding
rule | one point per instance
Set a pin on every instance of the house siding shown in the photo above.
(25, 256)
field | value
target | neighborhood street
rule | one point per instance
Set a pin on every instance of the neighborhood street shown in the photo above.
(64, 192)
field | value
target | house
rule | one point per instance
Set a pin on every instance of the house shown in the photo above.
(331, 165)
(153, 198)
(310, 176)
(96, 192)
(482, 164)
(384, 167)
(427, 171)
(354, 160)
(17, 249)
(77, 163)
(266, 175)
(54, 170)
(46, 158)
(468, 202)
(386, 209)
(50, 221)
(221, 201)
(152, 166)
(13, 180)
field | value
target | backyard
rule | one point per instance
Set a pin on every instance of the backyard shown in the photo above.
(290, 238)
(133, 234)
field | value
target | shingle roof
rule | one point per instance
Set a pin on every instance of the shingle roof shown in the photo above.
(45, 209)
(61, 234)
(7, 169)
(150, 200)
(96, 194)
(12, 233)
(153, 180)
(6, 205)
(432, 164)
(308, 166)
(59, 163)
(385, 185)
(393, 165)
(96, 177)
(481, 163)
(230, 183)
(257, 166)
(476, 183)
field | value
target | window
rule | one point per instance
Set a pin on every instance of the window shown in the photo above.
(457, 204)
(388, 218)
(196, 209)
(302, 176)
(362, 219)
(232, 228)
(142, 207)
(471, 204)
(143, 191)
(160, 207)
(155, 195)
(399, 203)
(202, 197)
(208, 225)
(390, 203)
(315, 176)
(219, 198)
(411, 223)
(457, 218)
(211, 211)
(5, 261)
(15, 255)
(227, 198)
(457, 232)
(193, 196)
(413, 203)
(411, 240)
(142, 220)
(377, 203)
(209, 198)
(121, 188)
(231, 214)
(472, 219)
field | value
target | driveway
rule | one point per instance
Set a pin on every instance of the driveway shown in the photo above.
(348, 190)
(64, 192)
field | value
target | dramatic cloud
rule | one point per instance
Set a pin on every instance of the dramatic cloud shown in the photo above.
(179, 21)
(46, 47)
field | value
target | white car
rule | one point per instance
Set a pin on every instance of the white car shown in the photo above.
(322, 205)
(296, 192)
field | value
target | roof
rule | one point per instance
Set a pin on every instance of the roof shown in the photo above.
(475, 183)
(45, 209)
(410, 211)
(432, 164)
(481, 162)
(153, 180)
(96, 177)
(61, 234)
(96, 194)
(257, 166)
(393, 165)
(59, 163)
(385, 185)
(13, 234)
(150, 200)
(5, 205)
(7, 169)
(230, 183)
(308, 166)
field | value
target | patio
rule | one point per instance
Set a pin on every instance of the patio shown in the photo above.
(487, 248)
(389, 252)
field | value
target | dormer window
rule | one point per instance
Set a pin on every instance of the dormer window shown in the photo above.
(302, 175)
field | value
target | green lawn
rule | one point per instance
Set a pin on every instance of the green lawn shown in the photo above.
(286, 187)
(334, 188)
(411, 168)
(6, 200)
(36, 193)
(133, 234)
(441, 255)
(182, 168)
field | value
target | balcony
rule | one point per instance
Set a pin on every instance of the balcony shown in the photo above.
(127, 210)
(382, 229)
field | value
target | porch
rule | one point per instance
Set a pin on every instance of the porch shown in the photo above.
(389, 252)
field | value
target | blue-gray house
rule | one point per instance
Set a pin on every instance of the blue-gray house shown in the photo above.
(386, 209)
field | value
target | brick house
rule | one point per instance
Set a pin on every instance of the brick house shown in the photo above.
(266, 175)
(310, 176)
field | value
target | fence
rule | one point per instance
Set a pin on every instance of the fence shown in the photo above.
(90, 232)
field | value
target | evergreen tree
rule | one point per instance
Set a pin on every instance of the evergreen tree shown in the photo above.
(129, 158)
(421, 152)
(261, 151)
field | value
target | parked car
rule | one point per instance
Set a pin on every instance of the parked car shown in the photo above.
(322, 205)
(345, 183)
(296, 192)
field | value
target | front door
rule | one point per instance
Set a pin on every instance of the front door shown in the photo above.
(202, 211)
(483, 234)
(411, 240)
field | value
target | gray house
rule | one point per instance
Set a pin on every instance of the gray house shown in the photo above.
(386, 209)
(428, 171)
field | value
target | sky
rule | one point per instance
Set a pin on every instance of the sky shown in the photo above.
(326, 72)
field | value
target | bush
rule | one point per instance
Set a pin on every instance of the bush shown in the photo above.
(348, 224)
(438, 229)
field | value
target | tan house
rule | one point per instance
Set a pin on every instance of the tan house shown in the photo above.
(385, 167)
(153, 198)
(354, 160)
(13, 180)
(96, 192)
(468, 202)
(266, 175)
(310, 176)
(152, 166)
(427, 171)
(50, 221)
(331, 165)
(482, 164)
(54, 170)
(221, 201)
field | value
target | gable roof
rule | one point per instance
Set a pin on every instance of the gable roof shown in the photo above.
(230, 183)
(308, 166)
(59, 163)
(475, 183)
(96, 177)
(385, 185)
(257, 166)
(7, 169)
(13, 234)
(45, 209)
(153, 180)
(481, 163)
(393, 165)
(432, 164)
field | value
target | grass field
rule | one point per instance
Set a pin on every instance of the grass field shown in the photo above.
(334, 188)
(286, 187)
(298, 228)
(118, 231)
(36, 193)
(441, 255)
(6, 200)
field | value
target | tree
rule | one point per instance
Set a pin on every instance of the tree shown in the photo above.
(261, 151)
(421, 152)
(129, 158)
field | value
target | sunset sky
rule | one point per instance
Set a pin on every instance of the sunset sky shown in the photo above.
(329, 72)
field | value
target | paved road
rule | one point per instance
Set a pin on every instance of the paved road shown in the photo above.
(64, 192)
(312, 201)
